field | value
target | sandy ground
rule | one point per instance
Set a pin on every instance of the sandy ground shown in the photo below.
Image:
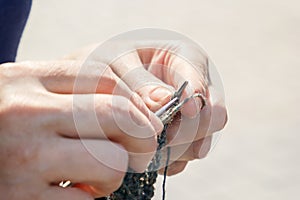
(255, 45)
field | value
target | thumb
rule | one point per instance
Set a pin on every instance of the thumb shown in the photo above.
(155, 94)
(151, 89)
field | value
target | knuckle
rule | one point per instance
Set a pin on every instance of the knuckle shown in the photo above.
(124, 109)
(146, 147)
(143, 147)
(3, 73)
(176, 167)
(10, 70)
(201, 148)
(218, 118)
(8, 99)
(115, 181)
(122, 104)
(152, 146)
(223, 118)
(129, 110)
(130, 107)
(95, 68)
(5, 66)
(109, 173)
(202, 154)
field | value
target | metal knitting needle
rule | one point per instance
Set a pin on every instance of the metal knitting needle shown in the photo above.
(167, 116)
(163, 109)
(175, 99)
(179, 92)
(177, 107)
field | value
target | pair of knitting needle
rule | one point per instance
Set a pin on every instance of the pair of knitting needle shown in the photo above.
(169, 110)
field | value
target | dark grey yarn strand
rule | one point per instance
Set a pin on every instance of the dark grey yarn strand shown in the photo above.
(165, 174)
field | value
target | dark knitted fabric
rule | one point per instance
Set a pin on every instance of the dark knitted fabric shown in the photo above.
(140, 186)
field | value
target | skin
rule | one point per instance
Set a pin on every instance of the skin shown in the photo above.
(42, 142)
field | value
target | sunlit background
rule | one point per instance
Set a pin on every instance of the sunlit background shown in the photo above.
(254, 43)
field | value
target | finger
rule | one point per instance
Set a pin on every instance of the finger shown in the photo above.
(197, 150)
(218, 110)
(71, 76)
(182, 70)
(110, 117)
(174, 168)
(190, 151)
(153, 91)
(75, 77)
(211, 118)
(59, 193)
(98, 163)
(140, 80)
(175, 63)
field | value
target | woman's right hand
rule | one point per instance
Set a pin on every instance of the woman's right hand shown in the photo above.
(60, 123)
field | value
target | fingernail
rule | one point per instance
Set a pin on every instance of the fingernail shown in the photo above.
(160, 95)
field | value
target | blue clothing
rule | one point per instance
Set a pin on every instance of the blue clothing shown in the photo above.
(13, 17)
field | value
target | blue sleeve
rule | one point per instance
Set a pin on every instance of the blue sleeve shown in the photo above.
(13, 17)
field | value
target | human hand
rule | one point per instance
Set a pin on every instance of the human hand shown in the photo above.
(154, 68)
(48, 134)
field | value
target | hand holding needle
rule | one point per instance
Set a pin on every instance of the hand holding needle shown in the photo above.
(168, 111)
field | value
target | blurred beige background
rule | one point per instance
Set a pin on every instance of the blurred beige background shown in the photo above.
(254, 43)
